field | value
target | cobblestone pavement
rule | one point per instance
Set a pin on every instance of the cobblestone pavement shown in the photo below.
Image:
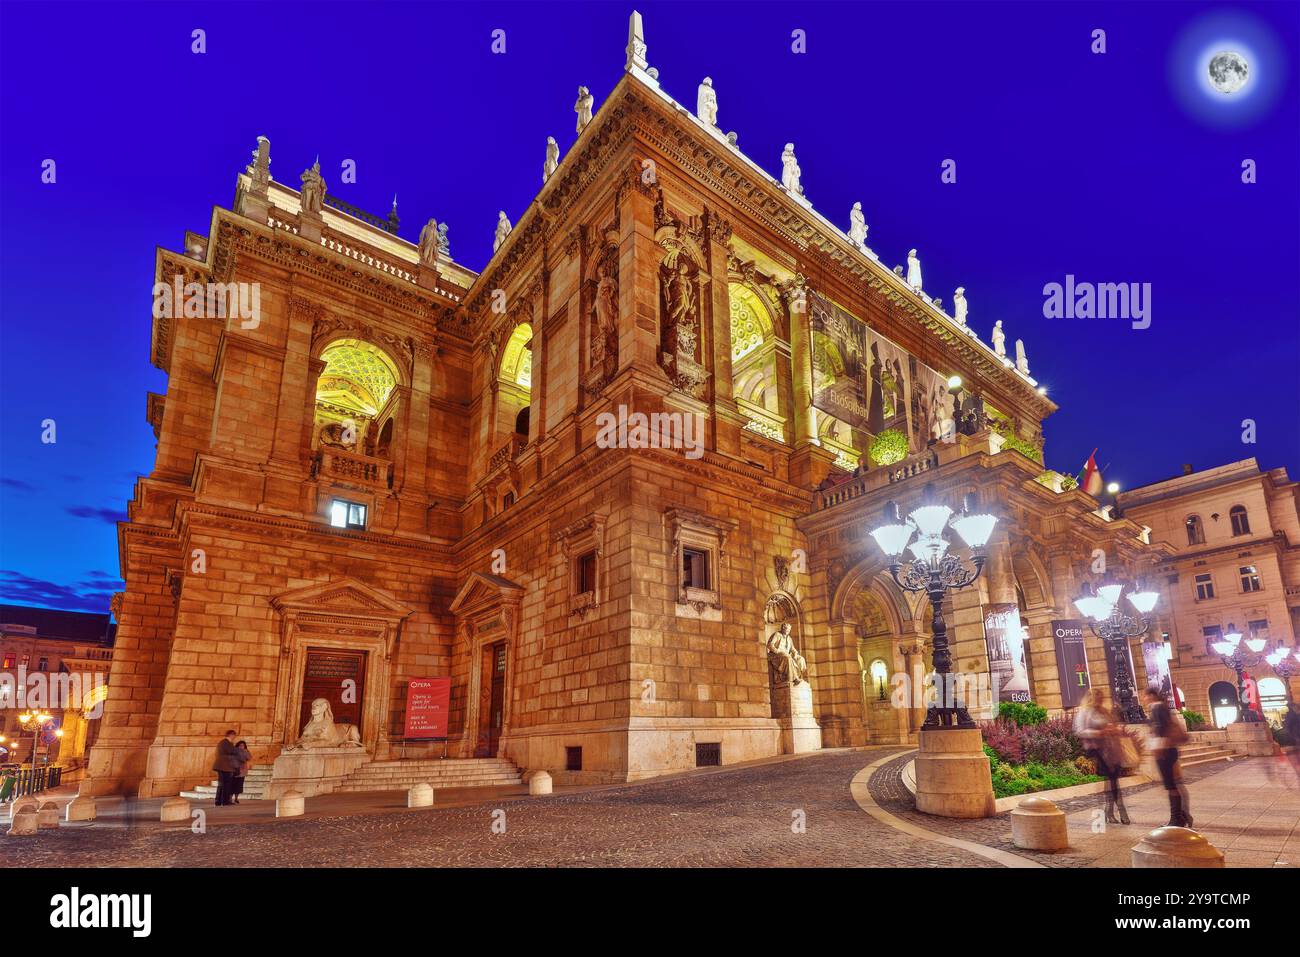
(733, 817)
(1248, 808)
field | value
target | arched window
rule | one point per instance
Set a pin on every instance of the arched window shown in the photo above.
(879, 673)
(753, 362)
(515, 384)
(1240, 520)
(354, 391)
(1195, 531)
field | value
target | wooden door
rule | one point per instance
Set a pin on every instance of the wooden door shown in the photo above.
(340, 678)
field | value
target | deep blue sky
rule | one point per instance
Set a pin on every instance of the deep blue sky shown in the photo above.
(1112, 167)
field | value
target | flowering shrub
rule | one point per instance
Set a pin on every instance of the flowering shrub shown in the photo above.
(1022, 713)
(1051, 741)
(890, 446)
(1004, 738)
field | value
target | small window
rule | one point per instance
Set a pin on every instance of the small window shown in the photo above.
(1258, 629)
(507, 500)
(9, 661)
(708, 755)
(695, 568)
(586, 573)
(1240, 521)
(573, 759)
(1204, 587)
(345, 514)
(1249, 578)
(1195, 533)
(1212, 634)
(43, 664)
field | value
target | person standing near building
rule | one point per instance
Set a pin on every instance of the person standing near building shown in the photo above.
(1167, 734)
(226, 764)
(1093, 727)
(245, 761)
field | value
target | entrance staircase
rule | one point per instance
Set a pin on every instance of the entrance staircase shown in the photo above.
(1195, 753)
(256, 782)
(438, 772)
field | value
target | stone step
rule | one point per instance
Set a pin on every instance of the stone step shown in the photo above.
(436, 779)
(388, 783)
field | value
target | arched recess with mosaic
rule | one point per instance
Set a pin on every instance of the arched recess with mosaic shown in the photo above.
(515, 384)
(356, 398)
(755, 345)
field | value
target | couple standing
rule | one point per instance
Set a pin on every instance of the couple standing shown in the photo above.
(231, 764)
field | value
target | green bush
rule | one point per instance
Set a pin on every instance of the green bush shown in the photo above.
(1013, 779)
(1022, 713)
(1194, 719)
(888, 447)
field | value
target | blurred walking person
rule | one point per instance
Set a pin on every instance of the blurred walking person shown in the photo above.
(1168, 733)
(1095, 728)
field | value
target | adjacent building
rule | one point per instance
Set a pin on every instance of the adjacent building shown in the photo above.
(58, 663)
(1235, 532)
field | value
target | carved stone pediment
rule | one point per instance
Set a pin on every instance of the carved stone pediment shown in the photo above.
(344, 596)
(482, 589)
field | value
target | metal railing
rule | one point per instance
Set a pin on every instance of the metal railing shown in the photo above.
(28, 780)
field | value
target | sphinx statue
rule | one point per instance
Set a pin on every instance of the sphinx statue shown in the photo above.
(321, 731)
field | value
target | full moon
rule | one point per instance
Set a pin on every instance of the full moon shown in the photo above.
(1228, 71)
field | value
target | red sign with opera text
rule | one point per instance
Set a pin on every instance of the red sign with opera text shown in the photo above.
(427, 703)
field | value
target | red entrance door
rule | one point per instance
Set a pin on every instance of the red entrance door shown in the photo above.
(340, 678)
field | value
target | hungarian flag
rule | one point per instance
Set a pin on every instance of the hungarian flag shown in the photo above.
(1090, 477)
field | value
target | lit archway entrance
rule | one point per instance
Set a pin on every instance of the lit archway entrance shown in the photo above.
(1223, 703)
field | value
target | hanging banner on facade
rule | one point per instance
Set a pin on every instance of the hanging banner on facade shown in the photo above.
(931, 412)
(1155, 658)
(887, 372)
(1005, 638)
(838, 349)
(428, 701)
(1071, 661)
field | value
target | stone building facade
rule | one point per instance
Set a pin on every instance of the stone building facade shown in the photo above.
(1235, 532)
(405, 469)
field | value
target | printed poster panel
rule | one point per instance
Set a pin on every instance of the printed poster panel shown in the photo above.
(1071, 661)
(887, 384)
(1005, 638)
(1155, 658)
(839, 373)
(427, 702)
(932, 413)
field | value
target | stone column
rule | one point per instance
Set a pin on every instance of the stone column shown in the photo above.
(638, 271)
(785, 388)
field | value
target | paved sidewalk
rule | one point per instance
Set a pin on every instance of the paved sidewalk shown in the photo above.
(1248, 808)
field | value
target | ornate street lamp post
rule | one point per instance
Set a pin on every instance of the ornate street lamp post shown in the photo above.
(1237, 654)
(1286, 665)
(37, 720)
(1116, 628)
(935, 572)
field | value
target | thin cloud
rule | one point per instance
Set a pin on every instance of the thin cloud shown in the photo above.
(109, 515)
(92, 594)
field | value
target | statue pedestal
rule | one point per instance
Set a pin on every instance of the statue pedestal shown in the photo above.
(952, 774)
(799, 729)
(1254, 739)
(318, 771)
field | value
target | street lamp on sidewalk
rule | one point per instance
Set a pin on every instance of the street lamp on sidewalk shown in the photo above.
(1237, 654)
(37, 720)
(1285, 663)
(933, 571)
(1116, 628)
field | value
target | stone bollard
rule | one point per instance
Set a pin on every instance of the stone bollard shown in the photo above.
(22, 804)
(175, 809)
(420, 795)
(24, 823)
(1175, 847)
(1039, 825)
(47, 815)
(80, 809)
(290, 804)
(539, 783)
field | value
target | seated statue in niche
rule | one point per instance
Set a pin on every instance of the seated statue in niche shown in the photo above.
(787, 663)
(336, 435)
(322, 732)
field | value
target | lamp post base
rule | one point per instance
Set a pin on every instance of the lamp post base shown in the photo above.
(952, 773)
(1255, 738)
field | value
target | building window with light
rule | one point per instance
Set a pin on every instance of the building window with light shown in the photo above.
(345, 514)
(1204, 587)
(1195, 531)
(1249, 578)
(1240, 521)
(1258, 629)
(1211, 634)
(879, 678)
